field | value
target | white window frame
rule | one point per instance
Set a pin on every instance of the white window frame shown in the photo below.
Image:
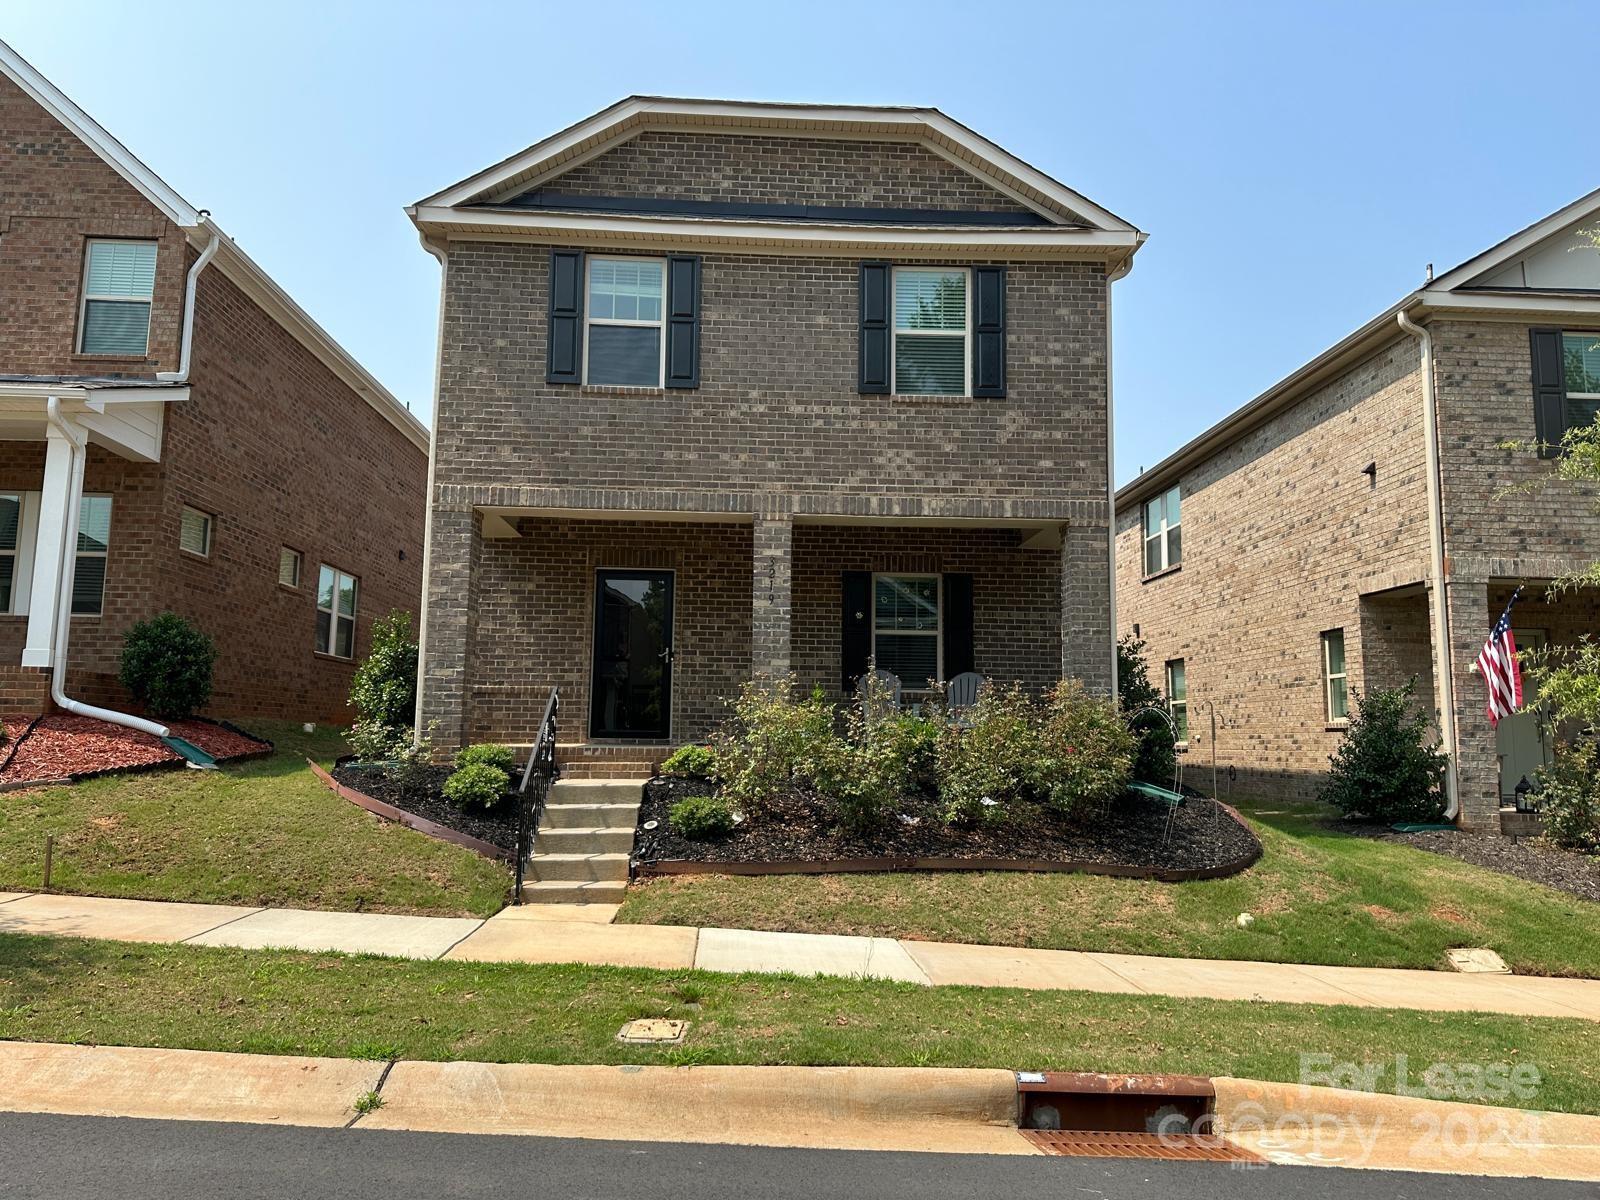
(84, 297)
(210, 530)
(333, 613)
(105, 554)
(1173, 703)
(937, 633)
(299, 569)
(895, 331)
(589, 320)
(1163, 534)
(1590, 335)
(1328, 676)
(15, 554)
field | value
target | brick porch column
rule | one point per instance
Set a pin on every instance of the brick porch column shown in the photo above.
(1086, 638)
(452, 585)
(1477, 762)
(771, 607)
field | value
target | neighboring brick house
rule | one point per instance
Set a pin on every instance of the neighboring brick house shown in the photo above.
(232, 448)
(1287, 555)
(734, 389)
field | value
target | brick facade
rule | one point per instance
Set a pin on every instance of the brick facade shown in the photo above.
(809, 475)
(271, 442)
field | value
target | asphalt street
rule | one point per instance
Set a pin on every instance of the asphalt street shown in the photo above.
(69, 1158)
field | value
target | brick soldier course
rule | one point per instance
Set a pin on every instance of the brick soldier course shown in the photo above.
(277, 434)
(1308, 511)
(775, 473)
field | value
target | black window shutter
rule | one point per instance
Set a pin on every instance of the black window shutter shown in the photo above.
(959, 656)
(873, 354)
(855, 633)
(564, 363)
(1549, 390)
(989, 331)
(683, 321)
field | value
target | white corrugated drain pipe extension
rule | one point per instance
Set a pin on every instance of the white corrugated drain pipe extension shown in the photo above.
(1444, 681)
(77, 454)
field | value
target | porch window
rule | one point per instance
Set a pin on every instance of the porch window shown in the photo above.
(119, 279)
(1178, 698)
(89, 567)
(336, 612)
(907, 631)
(1580, 355)
(194, 531)
(1335, 681)
(10, 532)
(627, 297)
(930, 332)
(1163, 535)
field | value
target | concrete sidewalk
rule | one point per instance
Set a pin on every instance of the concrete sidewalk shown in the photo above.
(534, 935)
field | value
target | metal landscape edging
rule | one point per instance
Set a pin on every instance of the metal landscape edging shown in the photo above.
(410, 820)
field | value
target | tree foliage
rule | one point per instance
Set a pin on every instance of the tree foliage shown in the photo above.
(1156, 756)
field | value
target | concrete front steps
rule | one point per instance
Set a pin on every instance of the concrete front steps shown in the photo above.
(585, 839)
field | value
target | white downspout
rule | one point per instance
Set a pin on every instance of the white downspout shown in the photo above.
(1111, 474)
(417, 731)
(1445, 681)
(181, 375)
(77, 453)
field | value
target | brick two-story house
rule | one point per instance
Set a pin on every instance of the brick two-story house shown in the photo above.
(194, 439)
(1350, 526)
(732, 389)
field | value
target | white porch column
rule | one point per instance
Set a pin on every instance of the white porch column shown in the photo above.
(55, 502)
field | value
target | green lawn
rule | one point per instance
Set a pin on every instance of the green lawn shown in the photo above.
(283, 1002)
(262, 832)
(1318, 896)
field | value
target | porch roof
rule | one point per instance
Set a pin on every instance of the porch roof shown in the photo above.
(125, 416)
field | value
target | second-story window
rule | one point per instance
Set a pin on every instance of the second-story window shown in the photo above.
(1163, 534)
(931, 334)
(119, 279)
(627, 297)
(1580, 356)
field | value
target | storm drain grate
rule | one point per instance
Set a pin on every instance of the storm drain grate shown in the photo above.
(1187, 1147)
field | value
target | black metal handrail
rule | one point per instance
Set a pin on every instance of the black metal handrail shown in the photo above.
(537, 776)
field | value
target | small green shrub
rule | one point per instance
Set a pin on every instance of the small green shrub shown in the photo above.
(502, 757)
(1156, 757)
(1086, 753)
(1388, 769)
(701, 818)
(1569, 797)
(698, 762)
(384, 688)
(477, 785)
(988, 763)
(371, 741)
(915, 741)
(166, 666)
(770, 741)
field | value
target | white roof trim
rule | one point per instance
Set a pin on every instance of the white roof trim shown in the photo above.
(239, 266)
(625, 119)
(1518, 244)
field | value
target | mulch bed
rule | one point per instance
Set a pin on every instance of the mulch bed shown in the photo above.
(796, 828)
(1534, 860)
(497, 826)
(63, 746)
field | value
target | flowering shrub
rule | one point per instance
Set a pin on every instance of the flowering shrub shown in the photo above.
(1086, 754)
(771, 740)
(1569, 797)
(987, 763)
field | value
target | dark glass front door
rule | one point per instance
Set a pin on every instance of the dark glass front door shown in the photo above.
(632, 687)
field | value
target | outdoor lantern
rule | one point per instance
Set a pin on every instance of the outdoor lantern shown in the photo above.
(1525, 799)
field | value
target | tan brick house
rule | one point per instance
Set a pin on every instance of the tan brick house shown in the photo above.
(1319, 538)
(194, 437)
(730, 389)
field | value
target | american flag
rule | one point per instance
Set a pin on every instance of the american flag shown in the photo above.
(1497, 663)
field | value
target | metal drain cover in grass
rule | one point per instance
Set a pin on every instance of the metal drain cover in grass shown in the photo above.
(653, 1031)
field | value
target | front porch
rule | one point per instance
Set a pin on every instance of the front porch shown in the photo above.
(650, 623)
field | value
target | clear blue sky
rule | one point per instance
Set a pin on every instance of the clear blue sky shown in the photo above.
(1296, 166)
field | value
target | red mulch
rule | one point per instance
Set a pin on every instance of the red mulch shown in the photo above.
(63, 745)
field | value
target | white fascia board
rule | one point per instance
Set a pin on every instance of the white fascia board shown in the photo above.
(1530, 305)
(804, 238)
(117, 156)
(1582, 209)
(277, 304)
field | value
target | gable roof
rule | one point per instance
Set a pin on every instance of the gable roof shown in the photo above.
(1468, 289)
(230, 259)
(1070, 219)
